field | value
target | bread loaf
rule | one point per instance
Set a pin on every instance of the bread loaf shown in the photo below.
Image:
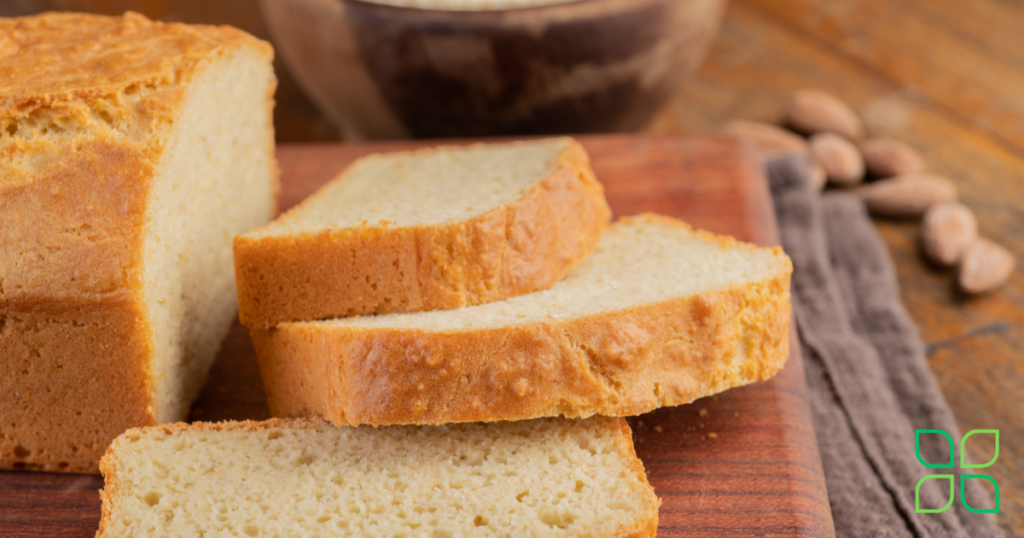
(658, 315)
(131, 152)
(552, 477)
(432, 229)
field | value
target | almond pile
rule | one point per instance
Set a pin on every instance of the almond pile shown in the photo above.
(902, 189)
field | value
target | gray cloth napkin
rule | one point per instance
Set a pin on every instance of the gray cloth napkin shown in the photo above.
(870, 385)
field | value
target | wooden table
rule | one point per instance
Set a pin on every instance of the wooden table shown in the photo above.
(944, 75)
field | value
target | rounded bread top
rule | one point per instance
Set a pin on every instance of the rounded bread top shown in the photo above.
(59, 57)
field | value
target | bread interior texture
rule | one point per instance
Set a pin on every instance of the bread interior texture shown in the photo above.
(640, 260)
(423, 187)
(548, 477)
(212, 184)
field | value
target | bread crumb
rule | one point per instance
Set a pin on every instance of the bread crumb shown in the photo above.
(712, 435)
(639, 424)
(736, 414)
(703, 412)
(657, 429)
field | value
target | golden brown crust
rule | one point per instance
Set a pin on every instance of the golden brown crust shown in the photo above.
(64, 58)
(511, 250)
(70, 381)
(646, 526)
(86, 107)
(618, 363)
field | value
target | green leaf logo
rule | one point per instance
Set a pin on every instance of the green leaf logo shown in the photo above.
(963, 498)
(917, 494)
(917, 450)
(950, 478)
(963, 451)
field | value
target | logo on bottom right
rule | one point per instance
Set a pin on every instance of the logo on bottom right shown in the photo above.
(949, 477)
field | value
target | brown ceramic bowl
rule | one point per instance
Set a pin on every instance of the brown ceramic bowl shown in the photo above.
(381, 71)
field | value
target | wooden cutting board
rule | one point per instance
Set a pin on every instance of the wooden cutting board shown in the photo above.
(743, 463)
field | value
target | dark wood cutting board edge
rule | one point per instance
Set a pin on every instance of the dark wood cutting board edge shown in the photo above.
(742, 463)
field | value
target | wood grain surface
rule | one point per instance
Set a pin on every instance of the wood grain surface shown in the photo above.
(742, 463)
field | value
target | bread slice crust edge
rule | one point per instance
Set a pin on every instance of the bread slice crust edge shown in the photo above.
(619, 363)
(510, 250)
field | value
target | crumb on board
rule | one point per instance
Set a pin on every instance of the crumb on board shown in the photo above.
(712, 435)
(736, 414)
(657, 429)
(703, 412)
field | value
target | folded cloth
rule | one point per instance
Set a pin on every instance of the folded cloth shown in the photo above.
(870, 385)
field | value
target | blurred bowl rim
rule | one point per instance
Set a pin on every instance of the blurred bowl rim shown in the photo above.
(528, 10)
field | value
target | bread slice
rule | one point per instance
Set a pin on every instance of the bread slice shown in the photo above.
(658, 315)
(131, 152)
(547, 477)
(431, 229)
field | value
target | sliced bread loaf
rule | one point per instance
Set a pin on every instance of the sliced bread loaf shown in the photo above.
(131, 152)
(438, 228)
(658, 315)
(548, 477)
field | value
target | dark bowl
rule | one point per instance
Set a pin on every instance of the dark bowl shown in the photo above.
(381, 71)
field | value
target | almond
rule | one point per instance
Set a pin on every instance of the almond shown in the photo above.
(886, 157)
(768, 139)
(771, 141)
(839, 157)
(947, 231)
(907, 196)
(814, 111)
(985, 267)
